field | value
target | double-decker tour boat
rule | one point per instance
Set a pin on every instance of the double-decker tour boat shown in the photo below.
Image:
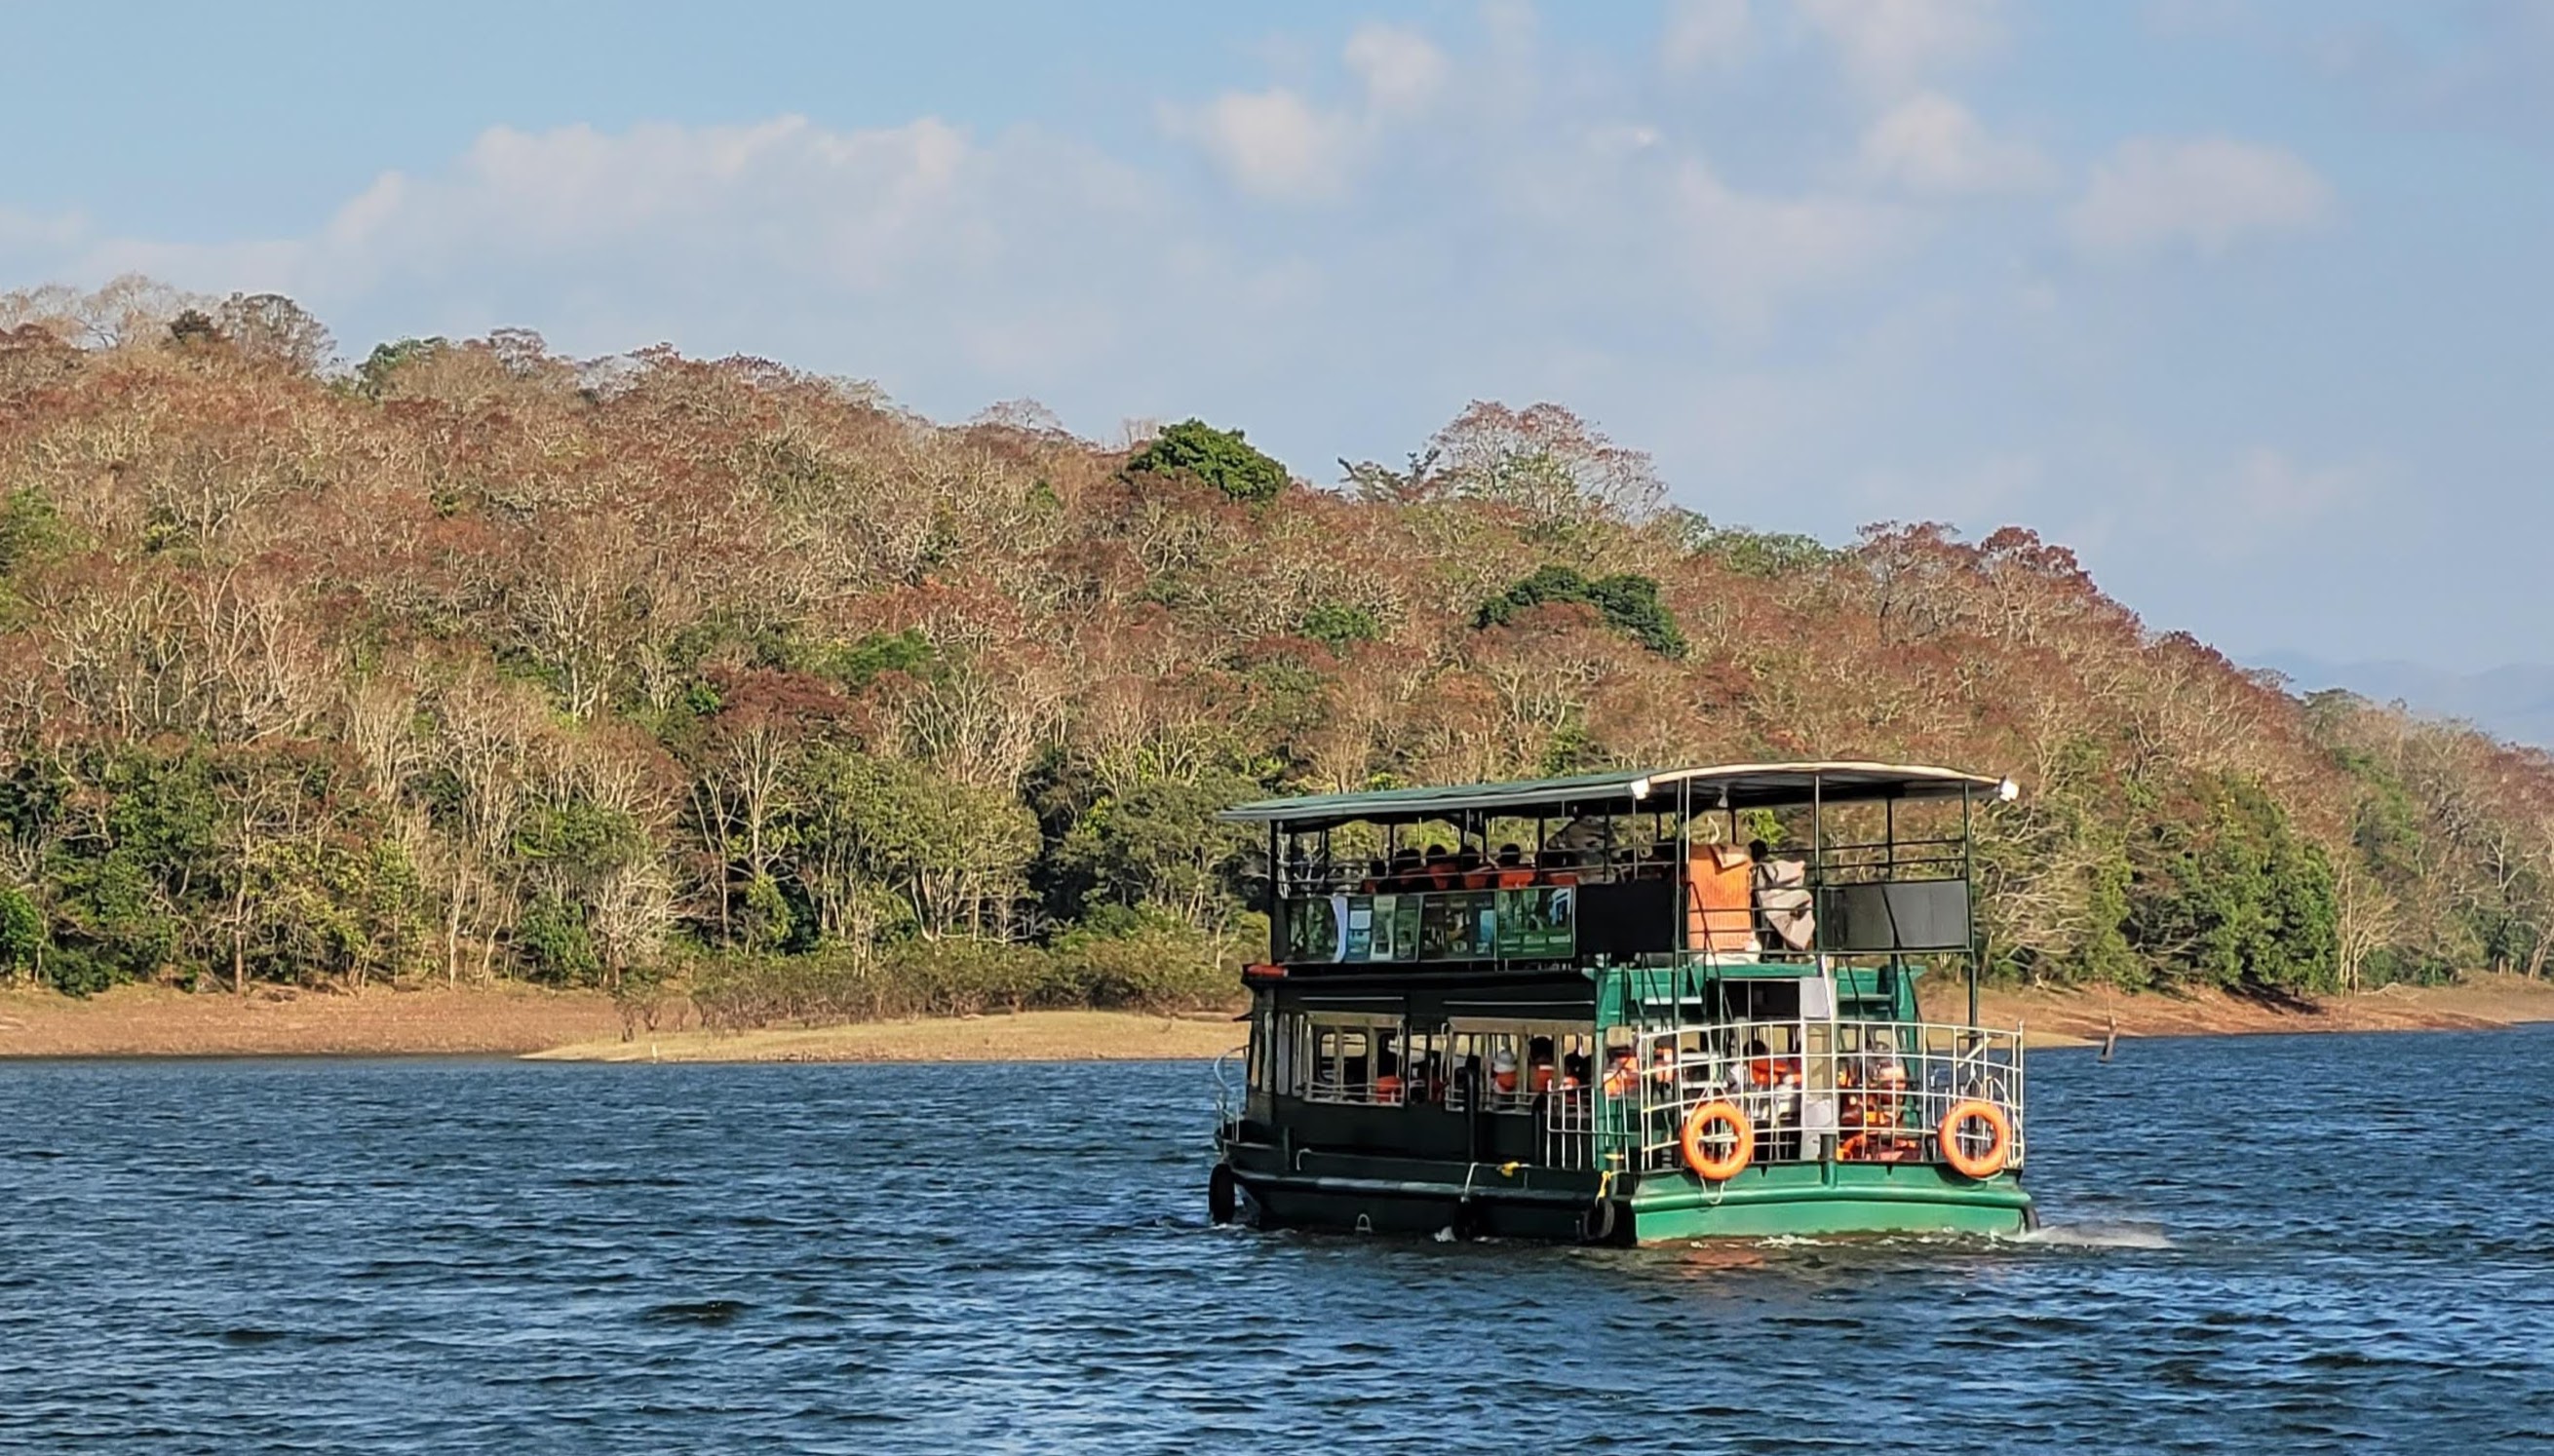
(1624, 1008)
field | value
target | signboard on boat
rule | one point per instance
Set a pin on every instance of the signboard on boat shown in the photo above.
(1534, 923)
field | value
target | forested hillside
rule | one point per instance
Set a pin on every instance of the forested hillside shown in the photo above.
(473, 661)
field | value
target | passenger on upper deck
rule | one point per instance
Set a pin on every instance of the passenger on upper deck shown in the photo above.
(1503, 1071)
(1582, 841)
(1538, 1064)
(1781, 888)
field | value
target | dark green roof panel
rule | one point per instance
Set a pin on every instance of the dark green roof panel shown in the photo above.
(1735, 786)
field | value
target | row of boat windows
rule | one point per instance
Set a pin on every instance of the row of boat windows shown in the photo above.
(1511, 1069)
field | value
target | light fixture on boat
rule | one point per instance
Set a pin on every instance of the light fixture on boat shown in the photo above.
(2008, 791)
(1640, 788)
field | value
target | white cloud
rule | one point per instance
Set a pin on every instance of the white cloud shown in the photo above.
(33, 232)
(2206, 194)
(1745, 253)
(1891, 45)
(1020, 257)
(1706, 33)
(1929, 143)
(1279, 144)
(1401, 69)
(2271, 489)
(1272, 144)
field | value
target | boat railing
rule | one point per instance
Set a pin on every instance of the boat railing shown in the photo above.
(1813, 1091)
(1570, 1127)
(1228, 1096)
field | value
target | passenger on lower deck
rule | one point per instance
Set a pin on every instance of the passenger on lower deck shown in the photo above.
(1622, 1075)
(1775, 1098)
(1765, 1069)
(1664, 1067)
(1876, 1106)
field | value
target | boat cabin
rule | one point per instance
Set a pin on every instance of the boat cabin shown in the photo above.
(1625, 1005)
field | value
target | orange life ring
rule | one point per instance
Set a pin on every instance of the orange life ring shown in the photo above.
(1999, 1150)
(1742, 1145)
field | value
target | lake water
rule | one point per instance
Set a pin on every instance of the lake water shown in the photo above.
(2298, 1243)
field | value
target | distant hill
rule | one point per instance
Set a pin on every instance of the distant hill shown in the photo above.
(477, 661)
(2514, 702)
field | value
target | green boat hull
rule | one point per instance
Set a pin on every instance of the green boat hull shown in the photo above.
(1812, 1199)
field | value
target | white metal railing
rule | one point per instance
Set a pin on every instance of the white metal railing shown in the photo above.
(1229, 1098)
(1569, 1125)
(1853, 1090)
(1858, 1092)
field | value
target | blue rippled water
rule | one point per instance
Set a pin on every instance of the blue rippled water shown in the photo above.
(2305, 1243)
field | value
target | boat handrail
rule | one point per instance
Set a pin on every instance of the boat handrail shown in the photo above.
(1227, 1098)
(1820, 1090)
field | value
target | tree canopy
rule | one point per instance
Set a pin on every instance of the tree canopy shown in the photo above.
(1222, 459)
(476, 661)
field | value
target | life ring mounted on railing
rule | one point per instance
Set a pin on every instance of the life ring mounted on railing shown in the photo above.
(1717, 1168)
(1988, 1161)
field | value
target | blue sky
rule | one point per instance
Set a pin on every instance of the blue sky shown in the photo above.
(2248, 301)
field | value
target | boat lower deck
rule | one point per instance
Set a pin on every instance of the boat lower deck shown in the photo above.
(1383, 1194)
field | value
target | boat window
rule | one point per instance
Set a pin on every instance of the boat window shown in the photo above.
(1516, 1064)
(1346, 1059)
(1338, 1060)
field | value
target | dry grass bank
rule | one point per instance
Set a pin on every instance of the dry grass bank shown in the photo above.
(1031, 1036)
(2074, 1016)
(144, 1021)
(138, 1021)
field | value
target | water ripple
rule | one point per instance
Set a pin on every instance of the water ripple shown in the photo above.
(2328, 1243)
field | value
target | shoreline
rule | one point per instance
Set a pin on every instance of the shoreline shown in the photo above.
(587, 1026)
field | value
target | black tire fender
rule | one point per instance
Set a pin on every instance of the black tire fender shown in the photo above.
(1597, 1222)
(1223, 1198)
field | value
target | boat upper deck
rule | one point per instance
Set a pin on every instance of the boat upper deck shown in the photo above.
(1620, 866)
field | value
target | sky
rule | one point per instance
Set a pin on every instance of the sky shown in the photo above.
(2246, 301)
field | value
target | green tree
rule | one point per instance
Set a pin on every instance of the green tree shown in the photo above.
(2231, 895)
(1219, 457)
(1627, 603)
(1160, 844)
(955, 855)
(1747, 552)
(22, 931)
(555, 946)
(374, 375)
(1338, 624)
